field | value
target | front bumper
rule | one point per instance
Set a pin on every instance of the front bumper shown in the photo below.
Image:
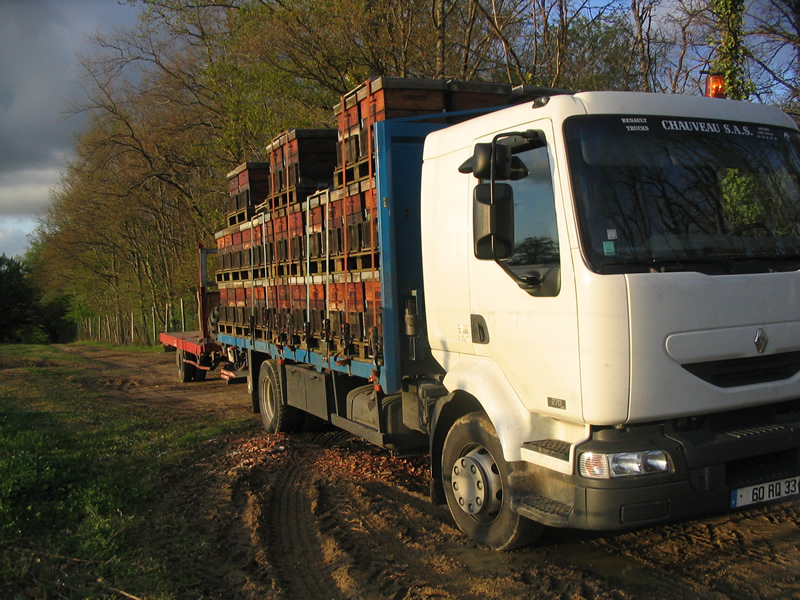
(707, 463)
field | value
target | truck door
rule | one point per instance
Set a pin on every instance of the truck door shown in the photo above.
(523, 309)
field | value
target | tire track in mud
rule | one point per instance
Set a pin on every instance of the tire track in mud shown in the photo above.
(338, 535)
(368, 537)
(732, 556)
(338, 519)
(382, 529)
(293, 536)
(332, 536)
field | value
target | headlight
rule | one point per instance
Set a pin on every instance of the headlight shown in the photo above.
(623, 464)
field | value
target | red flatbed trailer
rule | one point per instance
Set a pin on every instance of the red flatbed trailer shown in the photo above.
(188, 341)
(197, 352)
(195, 355)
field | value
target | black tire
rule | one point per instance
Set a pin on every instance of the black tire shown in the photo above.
(213, 323)
(276, 415)
(186, 372)
(475, 478)
(200, 374)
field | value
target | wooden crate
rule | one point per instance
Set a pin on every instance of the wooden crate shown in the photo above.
(248, 186)
(302, 159)
(469, 95)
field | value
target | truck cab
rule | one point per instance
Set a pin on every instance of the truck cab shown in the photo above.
(611, 290)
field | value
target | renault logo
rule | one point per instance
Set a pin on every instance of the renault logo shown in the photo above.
(761, 340)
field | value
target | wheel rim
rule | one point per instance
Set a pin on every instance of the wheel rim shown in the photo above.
(477, 486)
(268, 401)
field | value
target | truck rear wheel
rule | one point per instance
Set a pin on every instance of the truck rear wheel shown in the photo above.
(475, 478)
(276, 415)
(186, 372)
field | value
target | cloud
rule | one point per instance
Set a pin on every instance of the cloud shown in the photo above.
(39, 43)
(25, 192)
(38, 73)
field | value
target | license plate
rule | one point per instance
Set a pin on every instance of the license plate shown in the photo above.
(763, 492)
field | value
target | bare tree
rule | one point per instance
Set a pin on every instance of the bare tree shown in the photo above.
(775, 48)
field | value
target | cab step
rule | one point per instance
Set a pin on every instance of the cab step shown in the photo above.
(544, 510)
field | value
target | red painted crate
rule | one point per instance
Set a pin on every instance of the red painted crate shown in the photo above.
(284, 299)
(403, 96)
(315, 218)
(335, 212)
(354, 204)
(355, 295)
(372, 293)
(295, 224)
(240, 296)
(335, 296)
(280, 225)
(299, 299)
(317, 296)
(248, 185)
(348, 110)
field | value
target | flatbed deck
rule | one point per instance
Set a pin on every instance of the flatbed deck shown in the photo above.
(188, 341)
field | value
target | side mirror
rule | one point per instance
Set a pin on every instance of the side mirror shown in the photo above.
(493, 221)
(480, 163)
(506, 165)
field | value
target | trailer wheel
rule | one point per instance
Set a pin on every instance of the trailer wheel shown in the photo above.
(276, 415)
(200, 374)
(186, 372)
(475, 477)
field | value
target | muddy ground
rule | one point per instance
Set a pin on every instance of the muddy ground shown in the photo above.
(324, 515)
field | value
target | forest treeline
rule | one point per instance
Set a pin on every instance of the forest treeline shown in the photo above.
(197, 88)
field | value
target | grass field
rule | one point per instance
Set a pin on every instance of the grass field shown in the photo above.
(82, 510)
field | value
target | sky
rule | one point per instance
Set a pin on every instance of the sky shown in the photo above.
(40, 41)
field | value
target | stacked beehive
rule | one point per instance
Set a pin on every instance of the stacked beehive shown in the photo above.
(300, 262)
(260, 252)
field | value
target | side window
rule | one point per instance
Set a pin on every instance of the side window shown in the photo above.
(535, 262)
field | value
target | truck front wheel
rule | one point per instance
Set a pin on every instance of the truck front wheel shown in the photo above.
(276, 415)
(475, 478)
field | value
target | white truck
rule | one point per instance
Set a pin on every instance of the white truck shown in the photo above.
(616, 312)
(590, 314)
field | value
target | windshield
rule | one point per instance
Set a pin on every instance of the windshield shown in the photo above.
(667, 193)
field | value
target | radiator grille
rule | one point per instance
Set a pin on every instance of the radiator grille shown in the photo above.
(746, 371)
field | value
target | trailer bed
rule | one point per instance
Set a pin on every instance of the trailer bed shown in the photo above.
(188, 341)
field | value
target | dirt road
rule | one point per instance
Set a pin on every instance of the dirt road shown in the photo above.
(323, 515)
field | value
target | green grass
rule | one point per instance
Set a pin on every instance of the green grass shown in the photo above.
(82, 512)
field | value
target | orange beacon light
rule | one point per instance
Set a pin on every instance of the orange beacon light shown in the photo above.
(715, 86)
